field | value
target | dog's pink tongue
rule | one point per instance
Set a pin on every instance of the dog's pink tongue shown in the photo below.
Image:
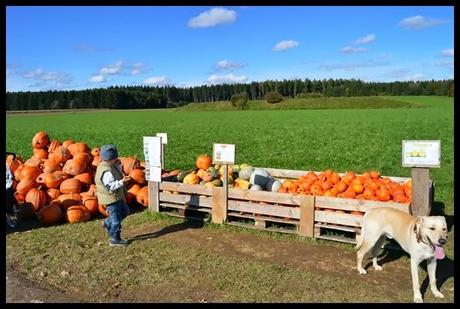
(439, 252)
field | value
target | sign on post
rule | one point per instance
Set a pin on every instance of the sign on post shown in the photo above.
(222, 154)
(420, 155)
(153, 162)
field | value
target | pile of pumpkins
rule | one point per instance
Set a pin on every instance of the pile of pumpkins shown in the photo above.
(242, 176)
(57, 182)
(367, 186)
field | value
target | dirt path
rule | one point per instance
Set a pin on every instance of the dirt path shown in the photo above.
(308, 257)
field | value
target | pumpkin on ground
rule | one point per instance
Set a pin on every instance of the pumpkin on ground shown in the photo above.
(79, 213)
(50, 214)
(142, 196)
(40, 140)
(37, 198)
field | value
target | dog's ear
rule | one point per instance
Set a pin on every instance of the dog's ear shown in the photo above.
(417, 228)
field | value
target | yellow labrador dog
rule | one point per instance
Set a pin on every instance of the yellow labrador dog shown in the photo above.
(421, 237)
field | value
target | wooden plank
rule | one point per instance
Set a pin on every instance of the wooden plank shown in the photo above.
(264, 196)
(356, 205)
(185, 188)
(337, 218)
(264, 209)
(337, 238)
(219, 205)
(195, 200)
(265, 218)
(177, 206)
(337, 227)
(307, 216)
(270, 229)
(420, 205)
(172, 214)
(154, 194)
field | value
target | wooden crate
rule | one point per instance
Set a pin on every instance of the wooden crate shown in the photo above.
(312, 216)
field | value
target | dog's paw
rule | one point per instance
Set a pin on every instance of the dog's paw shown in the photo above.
(418, 300)
(378, 267)
(362, 271)
(438, 294)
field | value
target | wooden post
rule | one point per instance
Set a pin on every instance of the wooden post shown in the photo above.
(162, 157)
(307, 216)
(154, 196)
(420, 205)
(219, 205)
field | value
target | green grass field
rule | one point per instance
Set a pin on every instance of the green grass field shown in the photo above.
(341, 139)
(239, 265)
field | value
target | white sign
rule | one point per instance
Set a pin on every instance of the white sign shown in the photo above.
(153, 173)
(152, 154)
(421, 153)
(164, 137)
(223, 154)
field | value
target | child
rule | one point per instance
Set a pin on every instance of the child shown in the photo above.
(111, 189)
(11, 207)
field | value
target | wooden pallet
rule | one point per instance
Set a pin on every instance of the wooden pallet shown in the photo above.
(312, 216)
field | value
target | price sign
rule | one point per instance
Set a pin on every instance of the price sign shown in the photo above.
(164, 137)
(152, 154)
(419, 153)
(223, 154)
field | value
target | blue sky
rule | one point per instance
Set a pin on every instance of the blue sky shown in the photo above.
(93, 47)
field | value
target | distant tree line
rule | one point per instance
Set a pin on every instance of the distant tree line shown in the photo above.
(135, 97)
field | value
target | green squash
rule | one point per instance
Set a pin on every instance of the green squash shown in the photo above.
(181, 175)
(214, 172)
(245, 173)
(217, 183)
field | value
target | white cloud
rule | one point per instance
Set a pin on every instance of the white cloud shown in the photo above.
(97, 79)
(382, 61)
(50, 79)
(419, 22)
(284, 45)
(448, 52)
(213, 17)
(228, 65)
(415, 77)
(157, 81)
(366, 39)
(138, 68)
(112, 69)
(353, 50)
(226, 79)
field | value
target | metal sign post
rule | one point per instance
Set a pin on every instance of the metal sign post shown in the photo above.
(420, 155)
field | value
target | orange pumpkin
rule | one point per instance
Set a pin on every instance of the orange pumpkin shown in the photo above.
(76, 148)
(53, 180)
(60, 155)
(374, 175)
(34, 162)
(13, 164)
(341, 186)
(41, 153)
(50, 166)
(52, 194)
(17, 172)
(25, 185)
(138, 176)
(50, 214)
(74, 167)
(334, 178)
(78, 213)
(29, 172)
(191, 179)
(91, 203)
(53, 145)
(203, 161)
(142, 196)
(132, 193)
(129, 163)
(85, 178)
(40, 140)
(383, 195)
(69, 199)
(37, 198)
(72, 185)
(68, 142)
